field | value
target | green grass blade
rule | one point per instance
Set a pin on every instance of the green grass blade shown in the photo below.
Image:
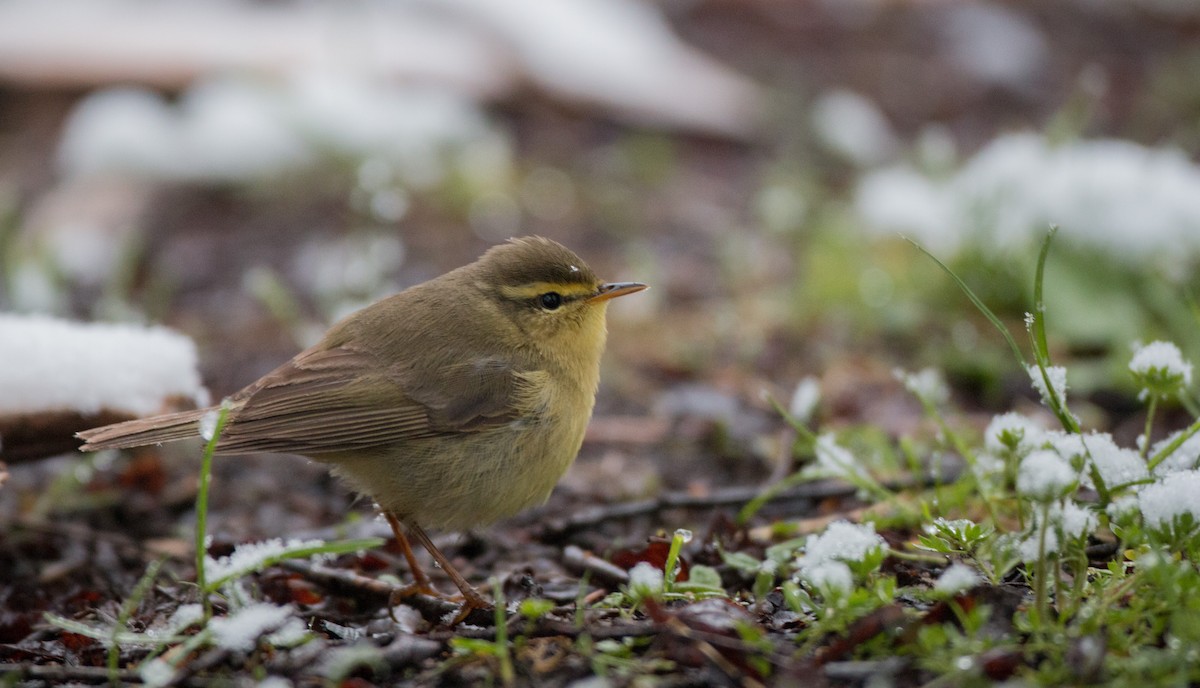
(987, 312)
(1037, 336)
(202, 507)
(1041, 350)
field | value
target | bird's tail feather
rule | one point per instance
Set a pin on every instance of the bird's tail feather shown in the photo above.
(143, 431)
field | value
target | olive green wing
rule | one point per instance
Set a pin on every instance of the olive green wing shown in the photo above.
(344, 400)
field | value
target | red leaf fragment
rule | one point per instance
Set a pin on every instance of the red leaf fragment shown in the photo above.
(371, 562)
(876, 623)
(76, 642)
(655, 553)
(144, 472)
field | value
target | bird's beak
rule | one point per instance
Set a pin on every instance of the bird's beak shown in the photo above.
(614, 289)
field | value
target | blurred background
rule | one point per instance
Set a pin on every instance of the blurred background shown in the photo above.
(248, 172)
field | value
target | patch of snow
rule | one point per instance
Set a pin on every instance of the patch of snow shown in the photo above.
(241, 630)
(53, 364)
(1128, 200)
(956, 578)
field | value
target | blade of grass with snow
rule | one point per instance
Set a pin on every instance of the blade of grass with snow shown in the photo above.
(210, 448)
(294, 550)
(1037, 335)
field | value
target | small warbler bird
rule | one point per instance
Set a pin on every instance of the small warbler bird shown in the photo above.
(452, 404)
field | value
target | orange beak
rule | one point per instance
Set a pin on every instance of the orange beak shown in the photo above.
(614, 289)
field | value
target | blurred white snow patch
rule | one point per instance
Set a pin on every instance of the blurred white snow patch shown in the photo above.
(240, 129)
(928, 385)
(842, 541)
(1185, 457)
(852, 126)
(224, 129)
(1116, 466)
(1056, 375)
(413, 128)
(956, 578)
(360, 265)
(253, 556)
(119, 130)
(1129, 200)
(645, 580)
(900, 199)
(85, 229)
(241, 630)
(1163, 360)
(828, 576)
(1028, 548)
(838, 461)
(208, 424)
(993, 43)
(157, 672)
(805, 399)
(1171, 497)
(1013, 432)
(53, 364)
(1044, 476)
(620, 54)
(1073, 521)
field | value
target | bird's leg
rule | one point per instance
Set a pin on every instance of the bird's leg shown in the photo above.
(421, 584)
(471, 598)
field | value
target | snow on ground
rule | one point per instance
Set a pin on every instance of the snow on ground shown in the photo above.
(52, 364)
(1117, 196)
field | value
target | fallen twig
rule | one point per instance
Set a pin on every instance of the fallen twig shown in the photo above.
(578, 560)
(557, 528)
(431, 608)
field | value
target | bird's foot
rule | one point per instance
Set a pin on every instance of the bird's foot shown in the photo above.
(469, 599)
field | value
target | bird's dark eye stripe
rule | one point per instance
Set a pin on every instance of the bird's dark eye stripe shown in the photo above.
(550, 300)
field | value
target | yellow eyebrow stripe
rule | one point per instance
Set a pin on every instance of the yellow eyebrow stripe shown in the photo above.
(534, 289)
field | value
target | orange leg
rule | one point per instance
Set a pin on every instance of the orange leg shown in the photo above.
(471, 598)
(421, 583)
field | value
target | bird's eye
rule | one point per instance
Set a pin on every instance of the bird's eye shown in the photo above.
(550, 300)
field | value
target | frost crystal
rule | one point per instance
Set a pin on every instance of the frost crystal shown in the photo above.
(241, 630)
(1174, 496)
(157, 672)
(843, 541)
(955, 579)
(184, 616)
(1058, 380)
(1044, 476)
(1073, 520)
(1185, 457)
(1027, 549)
(1122, 507)
(208, 424)
(253, 556)
(828, 576)
(1069, 445)
(645, 580)
(837, 459)
(1013, 432)
(293, 632)
(1160, 369)
(1116, 466)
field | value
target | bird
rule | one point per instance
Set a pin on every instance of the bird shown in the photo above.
(452, 404)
